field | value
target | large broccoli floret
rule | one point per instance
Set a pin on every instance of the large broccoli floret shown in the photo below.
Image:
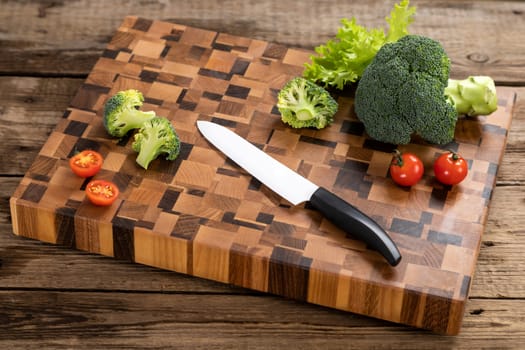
(156, 136)
(402, 93)
(122, 114)
(303, 104)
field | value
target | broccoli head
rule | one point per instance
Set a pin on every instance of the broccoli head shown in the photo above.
(156, 136)
(122, 114)
(304, 104)
(402, 92)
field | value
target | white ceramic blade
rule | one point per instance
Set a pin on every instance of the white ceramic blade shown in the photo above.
(275, 175)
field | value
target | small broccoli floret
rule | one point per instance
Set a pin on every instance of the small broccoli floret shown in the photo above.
(156, 136)
(401, 93)
(304, 104)
(122, 114)
(475, 95)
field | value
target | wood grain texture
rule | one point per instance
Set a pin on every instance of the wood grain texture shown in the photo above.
(66, 321)
(55, 50)
(47, 52)
(201, 216)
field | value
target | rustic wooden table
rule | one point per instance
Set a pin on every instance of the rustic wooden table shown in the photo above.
(52, 297)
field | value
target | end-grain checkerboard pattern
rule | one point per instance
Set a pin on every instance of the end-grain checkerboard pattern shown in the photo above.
(202, 215)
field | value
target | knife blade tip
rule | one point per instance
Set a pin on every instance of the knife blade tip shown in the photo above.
(203, 126)
(201, 123)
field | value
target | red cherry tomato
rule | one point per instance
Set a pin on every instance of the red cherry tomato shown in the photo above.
(450, 168)
(406, 169)
(101, 192)
(86, 163)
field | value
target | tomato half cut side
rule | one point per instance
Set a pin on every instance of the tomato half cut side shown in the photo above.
(102, 192)
(86, 163)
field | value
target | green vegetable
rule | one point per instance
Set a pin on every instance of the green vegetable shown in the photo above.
(122, 114)
(156, 136)
(342, 60)
(475, 95)
(304, 104)
(402, 92)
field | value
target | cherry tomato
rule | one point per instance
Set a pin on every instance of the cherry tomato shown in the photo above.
(86, 163)
(101, 192)
(406, 169)
(450, 168)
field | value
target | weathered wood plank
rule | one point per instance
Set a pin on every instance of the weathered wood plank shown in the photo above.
(155, 321)
(500, 267)
(57, 38)
(30, 108)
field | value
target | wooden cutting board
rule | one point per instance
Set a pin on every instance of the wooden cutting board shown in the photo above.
(201, 215)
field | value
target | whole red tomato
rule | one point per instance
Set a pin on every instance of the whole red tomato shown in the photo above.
(406, 169)
(450, 168)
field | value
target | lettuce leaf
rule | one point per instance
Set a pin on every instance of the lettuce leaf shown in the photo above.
(342, 60)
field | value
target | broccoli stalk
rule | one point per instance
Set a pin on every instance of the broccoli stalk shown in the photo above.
(403, 92)
(156, 136)
(122, 114)
(303, 104)
(475, 95)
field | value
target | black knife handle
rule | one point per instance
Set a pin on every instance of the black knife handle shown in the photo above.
(356, 223)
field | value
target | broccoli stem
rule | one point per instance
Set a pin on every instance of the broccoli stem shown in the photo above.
(136, 117)
(149, 150)
(473, 96)
(304, 114)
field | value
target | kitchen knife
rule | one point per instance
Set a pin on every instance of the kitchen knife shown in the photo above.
(297, 189)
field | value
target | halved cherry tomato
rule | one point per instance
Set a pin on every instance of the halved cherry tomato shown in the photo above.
(450, 168)
(406, 169)
(86, 163)
(102, 192)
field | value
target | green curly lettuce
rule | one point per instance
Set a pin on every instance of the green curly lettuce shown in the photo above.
(343, 59)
